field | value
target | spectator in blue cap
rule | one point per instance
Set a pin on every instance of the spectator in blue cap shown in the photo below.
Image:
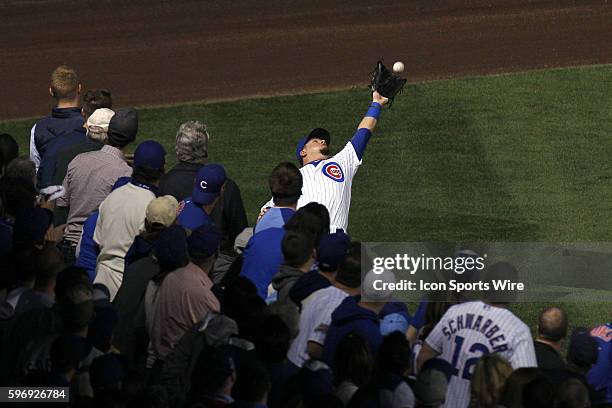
(123, 212)
(330, 252)
(228, 214)
(195, 211)
(185, 295)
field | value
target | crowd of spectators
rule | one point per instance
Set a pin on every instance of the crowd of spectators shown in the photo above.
(137, 286)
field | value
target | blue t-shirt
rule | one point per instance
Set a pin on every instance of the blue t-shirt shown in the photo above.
(263, 256)
(600, 376)
(89, 250)
(192, 216)
(274, 218)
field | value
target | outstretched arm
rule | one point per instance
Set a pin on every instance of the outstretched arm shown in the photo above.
(368, 123)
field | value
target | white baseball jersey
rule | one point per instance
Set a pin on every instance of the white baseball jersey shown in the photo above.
(470, 330)
(329, 182)
(314, 319)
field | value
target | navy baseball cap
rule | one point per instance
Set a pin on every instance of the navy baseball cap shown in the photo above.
(150, 154)
(331, 250)
(208, 184)
(317, 133)
(583, 349)
(204, 241)
(171, 246)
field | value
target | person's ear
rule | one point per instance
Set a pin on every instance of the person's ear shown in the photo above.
(79, 90)
(303, 153)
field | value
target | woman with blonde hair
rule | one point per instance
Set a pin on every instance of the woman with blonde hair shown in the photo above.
(488, 381)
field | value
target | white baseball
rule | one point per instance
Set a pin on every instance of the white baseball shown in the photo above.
(398, 67)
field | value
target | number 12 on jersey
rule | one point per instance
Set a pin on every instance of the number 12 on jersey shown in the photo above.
(467, 370)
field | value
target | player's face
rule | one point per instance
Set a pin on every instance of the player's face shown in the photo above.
(316, 147)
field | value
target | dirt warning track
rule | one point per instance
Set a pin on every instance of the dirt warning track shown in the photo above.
(162, 52)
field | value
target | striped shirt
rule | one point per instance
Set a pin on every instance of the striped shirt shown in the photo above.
(88, 182)
(470, 330)
(315, 318)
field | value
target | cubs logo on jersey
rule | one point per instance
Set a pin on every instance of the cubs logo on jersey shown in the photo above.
(333, 171)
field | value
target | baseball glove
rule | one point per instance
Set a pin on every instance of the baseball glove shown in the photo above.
(386, 82)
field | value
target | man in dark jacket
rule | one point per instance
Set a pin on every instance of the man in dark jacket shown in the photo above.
(65, 117)
(552, 329)
(228, 214)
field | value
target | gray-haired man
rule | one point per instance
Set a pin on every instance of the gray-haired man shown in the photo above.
(228, 214)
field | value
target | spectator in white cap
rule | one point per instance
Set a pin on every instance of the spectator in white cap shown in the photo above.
(91, 176)
(100, 99)
(160, 214)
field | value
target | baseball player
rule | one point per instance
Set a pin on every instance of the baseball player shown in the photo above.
(328, 179)
(470, 330)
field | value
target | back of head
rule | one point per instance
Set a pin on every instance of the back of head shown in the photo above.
(573, 394)
(212, 370)
(149, 161)
(353, 361)
(192, 142)
(331, 250)
(123, 127)
(552, 324)
(67, 279)
(107, 372)
(349, 270)
(96, 99)
(170, 248)
(297, 248)
(313, 218)
(539, 392)
(490, 375)
(21, 168)
(273, 339)
(432, 382)
(394, 354)
(16, 195)
(64, 83)
(285, 183)
(203, 244)
(48, 264)
(253, 382)
(512, 394)
(9, 150)
(583, 349)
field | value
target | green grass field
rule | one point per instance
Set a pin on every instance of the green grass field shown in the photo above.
(521, 157)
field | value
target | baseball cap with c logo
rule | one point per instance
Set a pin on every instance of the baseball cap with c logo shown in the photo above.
(208, 183)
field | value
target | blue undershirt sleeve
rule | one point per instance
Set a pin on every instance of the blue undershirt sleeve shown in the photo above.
(360, 140)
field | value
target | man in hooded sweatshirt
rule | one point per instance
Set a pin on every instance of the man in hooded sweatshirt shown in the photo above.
(298, 253)
(359, 314)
